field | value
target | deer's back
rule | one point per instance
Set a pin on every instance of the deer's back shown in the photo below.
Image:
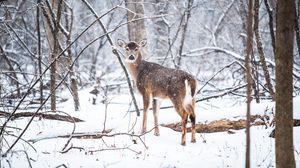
(162, 82)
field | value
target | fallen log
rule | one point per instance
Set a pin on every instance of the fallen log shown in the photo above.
(91, 135)
(222, 124)
(43, 116)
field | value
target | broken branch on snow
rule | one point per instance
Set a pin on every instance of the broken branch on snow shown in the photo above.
(42, 115)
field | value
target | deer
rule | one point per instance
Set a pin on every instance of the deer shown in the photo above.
(156, 82)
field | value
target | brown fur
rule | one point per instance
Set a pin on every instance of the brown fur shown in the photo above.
(156, 82)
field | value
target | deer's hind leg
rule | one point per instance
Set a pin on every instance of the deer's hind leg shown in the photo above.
(193, 120)
(183, 129)
(191, 111)
(178, 104)
(155, 106)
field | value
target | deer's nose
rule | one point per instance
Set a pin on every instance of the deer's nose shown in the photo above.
(131, 57)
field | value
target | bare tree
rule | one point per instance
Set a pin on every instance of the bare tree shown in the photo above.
(52, 22)
(73, 81)
(39, 48)
(261, 50)
(271, 23)
(297, 29)
(249, 80)
(136, 30)
(54, 30)
(187, 15)
(284, 84)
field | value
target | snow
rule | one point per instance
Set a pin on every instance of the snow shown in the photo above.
(211, 150)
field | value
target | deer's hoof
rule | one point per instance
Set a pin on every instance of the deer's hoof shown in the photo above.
(156, 133)
(183, 143)
(193, 140)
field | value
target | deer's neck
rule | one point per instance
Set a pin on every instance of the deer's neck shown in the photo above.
(133, 67)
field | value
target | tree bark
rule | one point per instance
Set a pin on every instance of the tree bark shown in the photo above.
(248, 77)
(260, 49)
(39, 52)
(271, 25)
(297, 31)
(73, 81)
(284, 84)
(52, 24)
(51, 27)
(187, 14)
(136, 30)
(53, 70)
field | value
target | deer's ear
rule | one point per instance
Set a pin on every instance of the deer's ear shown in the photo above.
(143, 43)
(121, 43)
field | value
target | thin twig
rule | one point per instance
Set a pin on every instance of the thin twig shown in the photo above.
(113, 149)
(72, 147)
(28, 159)
(227, 66)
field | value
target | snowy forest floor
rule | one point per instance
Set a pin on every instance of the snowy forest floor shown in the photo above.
(115, 139)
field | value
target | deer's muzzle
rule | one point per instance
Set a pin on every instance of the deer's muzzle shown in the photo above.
(131, 57)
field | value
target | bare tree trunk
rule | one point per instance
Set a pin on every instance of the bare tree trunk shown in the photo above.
(260, 49)
(39, 48)
(255, 80)
(74, 87)
(271, 25)
(284, 84)
(49, 30)
(187, 14)
(52, 28)
(248, 75)
(255, 74)
(53, 72)
(136, 30)
(297, 31)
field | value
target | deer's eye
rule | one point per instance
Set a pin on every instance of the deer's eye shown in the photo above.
(135, 49)
(127, 49)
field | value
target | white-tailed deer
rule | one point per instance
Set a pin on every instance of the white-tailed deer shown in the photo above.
(156, 82)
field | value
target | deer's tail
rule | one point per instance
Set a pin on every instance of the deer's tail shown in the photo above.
(190, 93)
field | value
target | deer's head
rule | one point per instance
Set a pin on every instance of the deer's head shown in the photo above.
(132, 49)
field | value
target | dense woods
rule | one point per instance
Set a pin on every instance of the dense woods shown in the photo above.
(50, 50)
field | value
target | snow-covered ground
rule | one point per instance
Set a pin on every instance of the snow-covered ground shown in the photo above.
(211, 150)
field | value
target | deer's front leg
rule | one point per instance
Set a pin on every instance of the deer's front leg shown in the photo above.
(146, 100)
(155, 106)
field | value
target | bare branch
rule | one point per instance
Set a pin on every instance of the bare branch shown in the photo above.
(233, 54)
(117, 54)
(47, 68)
